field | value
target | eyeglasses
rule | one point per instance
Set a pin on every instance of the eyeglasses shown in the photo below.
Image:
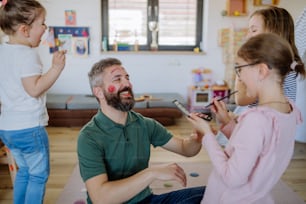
(239, 67)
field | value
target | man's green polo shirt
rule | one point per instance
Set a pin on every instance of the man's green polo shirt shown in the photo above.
(119, 150)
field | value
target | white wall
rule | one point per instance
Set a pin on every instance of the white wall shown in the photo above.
(149, 72)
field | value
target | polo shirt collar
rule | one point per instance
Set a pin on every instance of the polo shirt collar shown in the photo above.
(108, 123)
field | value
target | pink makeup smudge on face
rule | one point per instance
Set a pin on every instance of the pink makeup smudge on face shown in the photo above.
(111, 88)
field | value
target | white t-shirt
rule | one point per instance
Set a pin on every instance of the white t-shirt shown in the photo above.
(18, 109)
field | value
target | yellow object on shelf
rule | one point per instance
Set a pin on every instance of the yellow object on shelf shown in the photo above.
(236, 7)
(196, 50)
(236, 13)
(265, 2)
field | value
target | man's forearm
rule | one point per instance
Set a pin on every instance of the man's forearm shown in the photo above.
(121, 190)
(191, 147)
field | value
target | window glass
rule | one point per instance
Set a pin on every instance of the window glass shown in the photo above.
(179, 23)
(127, 21)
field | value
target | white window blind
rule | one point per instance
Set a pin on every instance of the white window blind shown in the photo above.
(177, 22)
(128, 21)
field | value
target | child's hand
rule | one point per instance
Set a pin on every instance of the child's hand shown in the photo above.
(197, 136)
(59, 60)
(201, 126)
(220, 110)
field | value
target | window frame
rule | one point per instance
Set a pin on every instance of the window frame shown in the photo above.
(199, 31)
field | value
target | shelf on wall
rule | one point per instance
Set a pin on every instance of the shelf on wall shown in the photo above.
(265, 2)
(154, 52)
(236, 7)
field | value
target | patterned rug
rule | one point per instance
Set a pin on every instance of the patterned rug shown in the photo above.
(75, 192)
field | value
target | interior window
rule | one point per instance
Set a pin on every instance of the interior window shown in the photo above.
(178, 23)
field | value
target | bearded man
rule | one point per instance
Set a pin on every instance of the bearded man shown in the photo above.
(114, 146)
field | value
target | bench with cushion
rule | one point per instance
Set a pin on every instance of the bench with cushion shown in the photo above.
(68, 110)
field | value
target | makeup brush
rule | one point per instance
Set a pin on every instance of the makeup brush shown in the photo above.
(220, 99)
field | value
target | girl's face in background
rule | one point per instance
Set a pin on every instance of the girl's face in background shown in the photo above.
(256, 26)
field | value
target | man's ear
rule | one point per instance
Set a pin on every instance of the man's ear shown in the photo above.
(98, 92)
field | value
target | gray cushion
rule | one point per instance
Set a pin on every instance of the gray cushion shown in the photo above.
(90, 102)
(57, 101)
(141, 104)
(79, 102)
(163, 100)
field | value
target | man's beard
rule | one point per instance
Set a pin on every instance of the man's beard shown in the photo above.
(122, 104)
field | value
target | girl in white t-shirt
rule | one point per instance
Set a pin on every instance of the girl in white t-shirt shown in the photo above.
(22, 94)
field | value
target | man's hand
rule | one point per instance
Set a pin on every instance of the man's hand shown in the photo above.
(169, 172)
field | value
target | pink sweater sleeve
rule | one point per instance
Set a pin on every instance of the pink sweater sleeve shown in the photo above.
(228, 128)
(236, 162)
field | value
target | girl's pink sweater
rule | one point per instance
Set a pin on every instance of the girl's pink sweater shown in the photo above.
(259, 150)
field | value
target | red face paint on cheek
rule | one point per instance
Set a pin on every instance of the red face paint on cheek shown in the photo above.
(111, 88)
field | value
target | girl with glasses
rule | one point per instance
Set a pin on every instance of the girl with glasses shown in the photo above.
(268, 20)
(261, 140)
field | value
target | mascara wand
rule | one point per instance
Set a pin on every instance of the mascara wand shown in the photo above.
(220, 99)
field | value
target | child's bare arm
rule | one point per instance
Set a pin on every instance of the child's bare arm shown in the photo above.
(37, 85)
